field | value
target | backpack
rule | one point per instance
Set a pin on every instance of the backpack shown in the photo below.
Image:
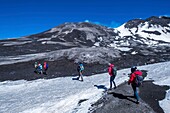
(46, 67)
(138, 80)
(40, 67)
(81, 67)
(35, 65)
(114, 71)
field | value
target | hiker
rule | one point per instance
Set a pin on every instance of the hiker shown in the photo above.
(39, 69)
(45, 66)
(133, 81)
(80, 69)
(112, 72)
(35, 66)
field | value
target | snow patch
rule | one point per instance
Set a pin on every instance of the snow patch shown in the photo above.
(134, 52)
(44, 39)
(123, 31)
(15, 43)
(124, 48)
(53, 30)
(97, 44)
(166, 102)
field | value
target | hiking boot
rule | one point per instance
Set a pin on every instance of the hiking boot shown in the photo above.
(115, 87)
(137, 102)
(110, 89)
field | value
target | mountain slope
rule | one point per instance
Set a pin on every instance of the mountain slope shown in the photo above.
(137, 41)
(151, 32)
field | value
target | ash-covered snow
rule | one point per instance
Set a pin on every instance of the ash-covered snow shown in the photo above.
(60, 43)
(124, 48)
(87, 55)
(64, 95)
(16, 43)
(53, 30)
(44, 39)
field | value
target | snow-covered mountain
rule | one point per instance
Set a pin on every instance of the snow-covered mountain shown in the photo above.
(150, 32)
(138, 41)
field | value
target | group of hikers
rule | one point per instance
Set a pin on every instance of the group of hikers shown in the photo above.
(135, 79)
(41, 69)
(135, 76)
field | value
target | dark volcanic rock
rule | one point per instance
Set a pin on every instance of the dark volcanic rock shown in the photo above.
(64, 67)
(133, 23)
(152, 32)
(163, 21)
(152, 94)
(121, 100)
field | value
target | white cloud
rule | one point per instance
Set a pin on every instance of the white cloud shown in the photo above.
(112, 24)
(86, 20)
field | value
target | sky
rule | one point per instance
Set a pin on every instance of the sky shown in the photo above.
(25, 17)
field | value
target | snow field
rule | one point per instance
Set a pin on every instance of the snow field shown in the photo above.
(64, 95)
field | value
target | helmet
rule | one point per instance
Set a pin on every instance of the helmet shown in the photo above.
(133, 68)
(80, 63)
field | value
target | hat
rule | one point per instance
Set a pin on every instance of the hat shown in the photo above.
(133, 68)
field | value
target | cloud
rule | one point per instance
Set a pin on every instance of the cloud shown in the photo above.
(167, 15)
(112, 24)
(86, 20)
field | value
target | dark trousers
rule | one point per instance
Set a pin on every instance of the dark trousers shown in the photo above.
(112, 81)
(135, 89)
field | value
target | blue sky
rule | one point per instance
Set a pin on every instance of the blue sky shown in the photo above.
(24, 17)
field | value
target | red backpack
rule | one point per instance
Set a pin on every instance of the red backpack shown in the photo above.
(45, 65)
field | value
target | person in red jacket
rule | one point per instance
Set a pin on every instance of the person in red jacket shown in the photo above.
(112, 72)
(45, 66)
(132, 81)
